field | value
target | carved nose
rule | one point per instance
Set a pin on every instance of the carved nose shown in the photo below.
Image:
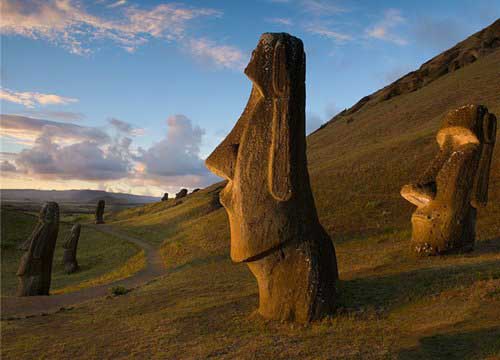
(222, 160)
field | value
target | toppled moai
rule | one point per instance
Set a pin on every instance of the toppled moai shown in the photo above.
(273, 220)
(70, 248)
(449, 192)
(165, 197)
(181, 194)
(195, 191)
(35, 267)
(99, 212)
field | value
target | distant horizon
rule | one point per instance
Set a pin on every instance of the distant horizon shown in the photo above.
(131, 97)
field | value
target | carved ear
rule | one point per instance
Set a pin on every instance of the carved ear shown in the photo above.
(280, 182)
(480, 197)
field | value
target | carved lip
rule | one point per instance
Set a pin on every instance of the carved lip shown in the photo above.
(225, 195)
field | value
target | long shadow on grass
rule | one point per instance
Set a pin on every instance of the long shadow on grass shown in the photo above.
(490, 246)
(390, 291)
(477, 344)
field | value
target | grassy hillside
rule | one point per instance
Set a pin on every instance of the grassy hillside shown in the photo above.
(102, 258)
(392, 305)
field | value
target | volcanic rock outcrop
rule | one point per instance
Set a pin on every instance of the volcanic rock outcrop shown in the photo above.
(181, 194)
(99, 212)
(70, 247)
(466, 52)
(455, 184)
(268, 199)
(165, 197)
(35, 267)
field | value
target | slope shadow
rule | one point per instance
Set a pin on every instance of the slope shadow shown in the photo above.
(479, 344)
(394, 290)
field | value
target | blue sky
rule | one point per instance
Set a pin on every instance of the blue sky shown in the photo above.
(130, 95)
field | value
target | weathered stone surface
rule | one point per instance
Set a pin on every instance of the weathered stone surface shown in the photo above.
(181, 194)
(99, 212)
(273, 219)
(70, 248)
(35, 268)
(165, 197)
(455, 184)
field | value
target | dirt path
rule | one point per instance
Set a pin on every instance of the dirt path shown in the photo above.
(18, 307)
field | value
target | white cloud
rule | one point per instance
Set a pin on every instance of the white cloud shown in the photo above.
(280, 21)
(84, 160)
(330, 34)
(68, 24)
(221, 55)
(383, 30)
(31, 99)
(178, 154)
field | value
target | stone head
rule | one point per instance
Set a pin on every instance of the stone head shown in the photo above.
(457, 181)
(49, 213)
(263, 157)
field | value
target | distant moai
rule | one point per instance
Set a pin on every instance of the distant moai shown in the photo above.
(455, 184)
(99, 212)
(165, 197)
(181, 194)
(70, 248)
(35, 267)
(273, 220)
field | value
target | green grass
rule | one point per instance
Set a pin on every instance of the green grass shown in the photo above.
(102, 258)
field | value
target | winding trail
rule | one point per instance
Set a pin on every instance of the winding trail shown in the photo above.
(20, 307)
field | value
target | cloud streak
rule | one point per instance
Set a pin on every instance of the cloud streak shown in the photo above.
(28, 129)
(327, 33)
(31, 99)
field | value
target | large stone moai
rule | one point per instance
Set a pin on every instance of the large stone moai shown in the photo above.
(268, 198)
(181, 194)
(70, 247)
(35, 268)
(165, 197)
(99, 212)
(455, 184)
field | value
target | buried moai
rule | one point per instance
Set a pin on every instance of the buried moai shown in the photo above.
(449, 192)
(273, 220)
(70, 247)
(165, 197)
(35, 267)
(99, 212)
(181, 194)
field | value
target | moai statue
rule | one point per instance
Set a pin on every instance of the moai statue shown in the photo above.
(70, 247)
(181, 194)
(99, 212)
(455, 184)
(165, 197)
(35, 268)
(273, 220)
